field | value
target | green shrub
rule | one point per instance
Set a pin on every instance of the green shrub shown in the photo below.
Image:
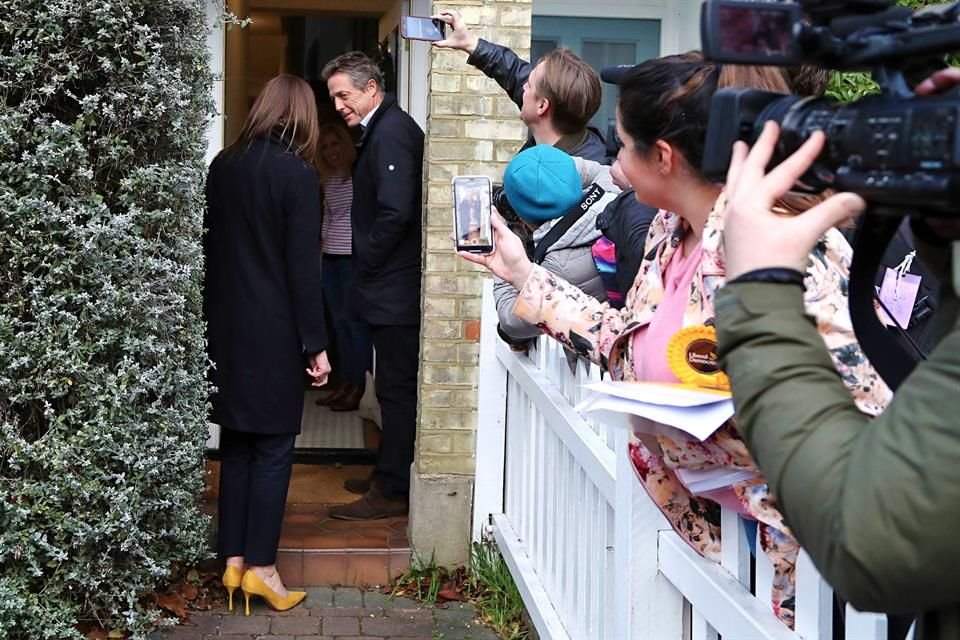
(103, 397)
(847, 87)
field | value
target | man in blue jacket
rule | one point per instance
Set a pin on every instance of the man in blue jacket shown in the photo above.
(387, 230)
(557, 96)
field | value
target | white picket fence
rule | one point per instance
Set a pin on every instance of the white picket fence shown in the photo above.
(591, 554)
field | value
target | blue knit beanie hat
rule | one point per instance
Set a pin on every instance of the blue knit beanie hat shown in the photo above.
(542, 183)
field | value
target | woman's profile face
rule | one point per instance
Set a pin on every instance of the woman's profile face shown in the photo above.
(639, 170)
(332, 150)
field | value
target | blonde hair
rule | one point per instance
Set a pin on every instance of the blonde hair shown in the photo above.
(349, 151)
(288, 102)
(572, 87)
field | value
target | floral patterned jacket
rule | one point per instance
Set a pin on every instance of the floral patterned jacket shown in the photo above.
(601, 334)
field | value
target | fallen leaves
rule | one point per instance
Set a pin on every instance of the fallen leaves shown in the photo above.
(197, 589)
(434, 585)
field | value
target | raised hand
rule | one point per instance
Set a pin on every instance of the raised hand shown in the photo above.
(460, 36)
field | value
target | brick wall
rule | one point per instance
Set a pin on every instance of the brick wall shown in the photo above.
(472, 128)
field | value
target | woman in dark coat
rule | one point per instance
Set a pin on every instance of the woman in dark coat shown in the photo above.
(263, 306)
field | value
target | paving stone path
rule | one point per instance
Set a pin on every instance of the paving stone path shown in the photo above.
(342, 613)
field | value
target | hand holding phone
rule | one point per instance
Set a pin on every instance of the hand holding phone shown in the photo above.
(422, 28)
(460, 36)
(472, 228)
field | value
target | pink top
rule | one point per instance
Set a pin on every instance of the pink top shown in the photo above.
(651, 340)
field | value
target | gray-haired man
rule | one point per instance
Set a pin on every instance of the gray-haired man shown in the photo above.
(386, 214)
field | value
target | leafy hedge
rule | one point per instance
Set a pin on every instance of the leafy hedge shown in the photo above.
(103, 397)
(848, 87)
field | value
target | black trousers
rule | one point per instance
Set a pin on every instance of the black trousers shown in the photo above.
(398, 361)
(254, 478)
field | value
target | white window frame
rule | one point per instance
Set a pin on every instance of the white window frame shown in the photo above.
(679, 19)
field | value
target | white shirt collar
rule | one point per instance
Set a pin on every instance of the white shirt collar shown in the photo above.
(366, 119)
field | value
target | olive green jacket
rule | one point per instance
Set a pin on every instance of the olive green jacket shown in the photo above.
(876, 503)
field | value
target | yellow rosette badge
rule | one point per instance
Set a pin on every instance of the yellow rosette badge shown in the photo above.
(692, 356)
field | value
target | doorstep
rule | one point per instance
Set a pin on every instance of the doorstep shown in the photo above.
(319, 551)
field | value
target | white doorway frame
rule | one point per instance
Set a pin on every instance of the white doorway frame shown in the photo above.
(414, 66)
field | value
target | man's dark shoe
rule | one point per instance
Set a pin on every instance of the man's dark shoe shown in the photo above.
(358, 486)
(372, 506)
(348, 401)
(329, 396)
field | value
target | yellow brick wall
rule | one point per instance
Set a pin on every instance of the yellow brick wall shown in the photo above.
(472, 128)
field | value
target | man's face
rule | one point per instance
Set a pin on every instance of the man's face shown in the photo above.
(350, 102)
(531, 101)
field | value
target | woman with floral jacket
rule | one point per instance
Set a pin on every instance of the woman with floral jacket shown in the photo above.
(661, 119)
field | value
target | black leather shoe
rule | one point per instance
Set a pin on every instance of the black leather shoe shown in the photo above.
(327, 397)
(358, 486)
(349, 401)
(372, 506)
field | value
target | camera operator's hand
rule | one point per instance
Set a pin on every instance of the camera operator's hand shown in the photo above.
(938, 82)
(509, 259)
(754, 236)
(460, 36)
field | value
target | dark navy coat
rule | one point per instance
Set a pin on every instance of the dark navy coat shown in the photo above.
(387, 218)
(262, 297)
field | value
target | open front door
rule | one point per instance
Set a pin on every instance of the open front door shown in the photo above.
(299, 37)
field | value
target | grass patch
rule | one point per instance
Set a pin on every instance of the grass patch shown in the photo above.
(495, 593)
(487, 584)
(422, 582)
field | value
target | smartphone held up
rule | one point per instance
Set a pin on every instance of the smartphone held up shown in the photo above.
(472, 227)
(422, 28)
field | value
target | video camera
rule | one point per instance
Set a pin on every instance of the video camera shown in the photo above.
(899, 151)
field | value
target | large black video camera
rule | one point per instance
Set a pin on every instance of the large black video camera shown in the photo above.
(899, 151)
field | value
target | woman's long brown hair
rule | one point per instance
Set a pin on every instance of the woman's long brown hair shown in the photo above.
(286, 102)
(779, 80)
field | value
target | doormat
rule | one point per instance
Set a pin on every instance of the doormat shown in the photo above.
(322, 428)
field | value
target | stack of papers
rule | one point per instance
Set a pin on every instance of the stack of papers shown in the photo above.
(693, 410)
(655, 408)
(696, 411)
(700, 481)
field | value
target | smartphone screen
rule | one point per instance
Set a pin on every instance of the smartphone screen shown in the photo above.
(471, 214)
(419, 28)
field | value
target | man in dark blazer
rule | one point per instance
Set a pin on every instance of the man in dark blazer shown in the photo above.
(387, 239)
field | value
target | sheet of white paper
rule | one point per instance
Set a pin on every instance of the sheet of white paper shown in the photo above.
(661, 394)
(703, 480)
(699, 421)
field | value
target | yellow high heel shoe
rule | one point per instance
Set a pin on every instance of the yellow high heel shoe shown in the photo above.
(231, 580)
(252, 585)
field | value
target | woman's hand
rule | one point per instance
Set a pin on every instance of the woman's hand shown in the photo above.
(460, 36)
(756, 238)
(319, 369)
(619, 178)
(509, 259)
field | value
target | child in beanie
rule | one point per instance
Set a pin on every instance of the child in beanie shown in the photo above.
(543, 185)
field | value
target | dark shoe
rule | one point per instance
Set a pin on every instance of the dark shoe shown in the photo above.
(358, 486)
(349, 401)
(329, 396)
(372, 506)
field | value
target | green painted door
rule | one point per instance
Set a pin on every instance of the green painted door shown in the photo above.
(601, 42)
